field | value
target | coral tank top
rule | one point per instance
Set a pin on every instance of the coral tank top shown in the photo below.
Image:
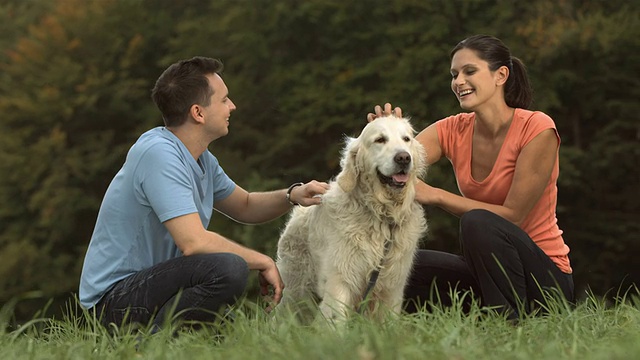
(455, 134)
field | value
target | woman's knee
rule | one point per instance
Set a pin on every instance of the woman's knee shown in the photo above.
(475, 225)
(476, 219)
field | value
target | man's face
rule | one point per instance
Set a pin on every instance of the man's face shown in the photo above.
(217, 113)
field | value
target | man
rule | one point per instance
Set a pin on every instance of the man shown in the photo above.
(151, 253)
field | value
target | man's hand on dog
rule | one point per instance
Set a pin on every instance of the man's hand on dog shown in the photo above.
(309, 193)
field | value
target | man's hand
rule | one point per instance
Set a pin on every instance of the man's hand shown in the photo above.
(270, 277)
(380, 112)
(309, 193)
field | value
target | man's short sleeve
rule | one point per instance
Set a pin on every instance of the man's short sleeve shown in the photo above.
(163, 182)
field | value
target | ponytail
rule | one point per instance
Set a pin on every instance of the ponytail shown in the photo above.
(518, 92)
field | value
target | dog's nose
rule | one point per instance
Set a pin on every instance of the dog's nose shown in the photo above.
(402, 158)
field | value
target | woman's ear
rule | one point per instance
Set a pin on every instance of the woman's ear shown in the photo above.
(502, 75)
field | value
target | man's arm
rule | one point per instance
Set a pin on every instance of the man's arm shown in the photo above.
(192, 238)
(260, 207)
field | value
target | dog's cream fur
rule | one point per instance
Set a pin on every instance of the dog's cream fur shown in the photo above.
(329, 251)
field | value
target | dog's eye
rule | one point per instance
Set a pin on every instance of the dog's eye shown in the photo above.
(406, 139)
(381, 140)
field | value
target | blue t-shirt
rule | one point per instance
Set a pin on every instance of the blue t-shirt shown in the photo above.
(159, 181)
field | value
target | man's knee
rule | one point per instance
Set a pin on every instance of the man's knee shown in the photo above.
(236, 272)
(229, 271)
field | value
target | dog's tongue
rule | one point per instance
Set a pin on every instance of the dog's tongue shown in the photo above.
(400, 178)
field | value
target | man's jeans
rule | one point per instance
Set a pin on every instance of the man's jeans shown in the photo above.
(194, 288)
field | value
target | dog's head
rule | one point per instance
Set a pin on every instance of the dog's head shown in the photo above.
(385, 156)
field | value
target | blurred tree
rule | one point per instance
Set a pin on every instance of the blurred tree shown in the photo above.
(75, 94)
(16, 16)
(585, 63)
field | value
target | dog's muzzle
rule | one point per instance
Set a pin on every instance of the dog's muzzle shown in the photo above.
(400, 178)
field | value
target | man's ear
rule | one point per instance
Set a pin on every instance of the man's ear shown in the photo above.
(196, 113)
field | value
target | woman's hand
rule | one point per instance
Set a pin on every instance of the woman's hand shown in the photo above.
(386, 111)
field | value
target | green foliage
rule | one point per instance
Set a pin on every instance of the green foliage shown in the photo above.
(75, 95)
(75, 78)
(593, 329)
(581, 63)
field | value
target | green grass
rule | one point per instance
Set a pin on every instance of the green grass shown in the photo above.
(592, 329)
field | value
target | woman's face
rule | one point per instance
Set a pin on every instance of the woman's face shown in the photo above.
(472, 82)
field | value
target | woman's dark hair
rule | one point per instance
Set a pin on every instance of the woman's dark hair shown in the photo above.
(517, 91)
(183, 84)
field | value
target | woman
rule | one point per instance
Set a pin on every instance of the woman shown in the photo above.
(505, 160)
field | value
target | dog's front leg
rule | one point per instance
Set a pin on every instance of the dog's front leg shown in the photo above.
(394, 301)
(391, 296)
(337, 300)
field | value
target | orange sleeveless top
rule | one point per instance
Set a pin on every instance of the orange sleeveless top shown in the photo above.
(455, 134)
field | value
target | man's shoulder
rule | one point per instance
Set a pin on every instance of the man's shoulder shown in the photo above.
(159, 139)
(155, 136)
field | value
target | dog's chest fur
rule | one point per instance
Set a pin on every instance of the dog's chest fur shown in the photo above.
(354, 250)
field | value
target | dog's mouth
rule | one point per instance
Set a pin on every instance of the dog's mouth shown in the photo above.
(397, 180)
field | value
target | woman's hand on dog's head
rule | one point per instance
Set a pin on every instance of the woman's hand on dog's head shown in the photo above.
(387, 110)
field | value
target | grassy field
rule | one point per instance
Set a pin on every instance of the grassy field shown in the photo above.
(592, 329)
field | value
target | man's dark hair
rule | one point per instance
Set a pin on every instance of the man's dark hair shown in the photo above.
(183, 84)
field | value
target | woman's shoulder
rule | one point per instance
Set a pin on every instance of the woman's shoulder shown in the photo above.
(461, 117)
(536, 116)
(530, 123)
(458, 122)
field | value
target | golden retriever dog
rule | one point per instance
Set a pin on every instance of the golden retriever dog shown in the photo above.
(367, 225)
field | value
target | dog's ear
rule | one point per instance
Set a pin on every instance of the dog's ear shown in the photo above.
(348, 177)
(419, 155)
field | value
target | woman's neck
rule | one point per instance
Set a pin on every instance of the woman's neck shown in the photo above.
(493, 121)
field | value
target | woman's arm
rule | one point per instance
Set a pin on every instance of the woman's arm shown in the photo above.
(533, 170)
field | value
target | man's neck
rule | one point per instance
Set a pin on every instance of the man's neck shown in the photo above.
(190, 139)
